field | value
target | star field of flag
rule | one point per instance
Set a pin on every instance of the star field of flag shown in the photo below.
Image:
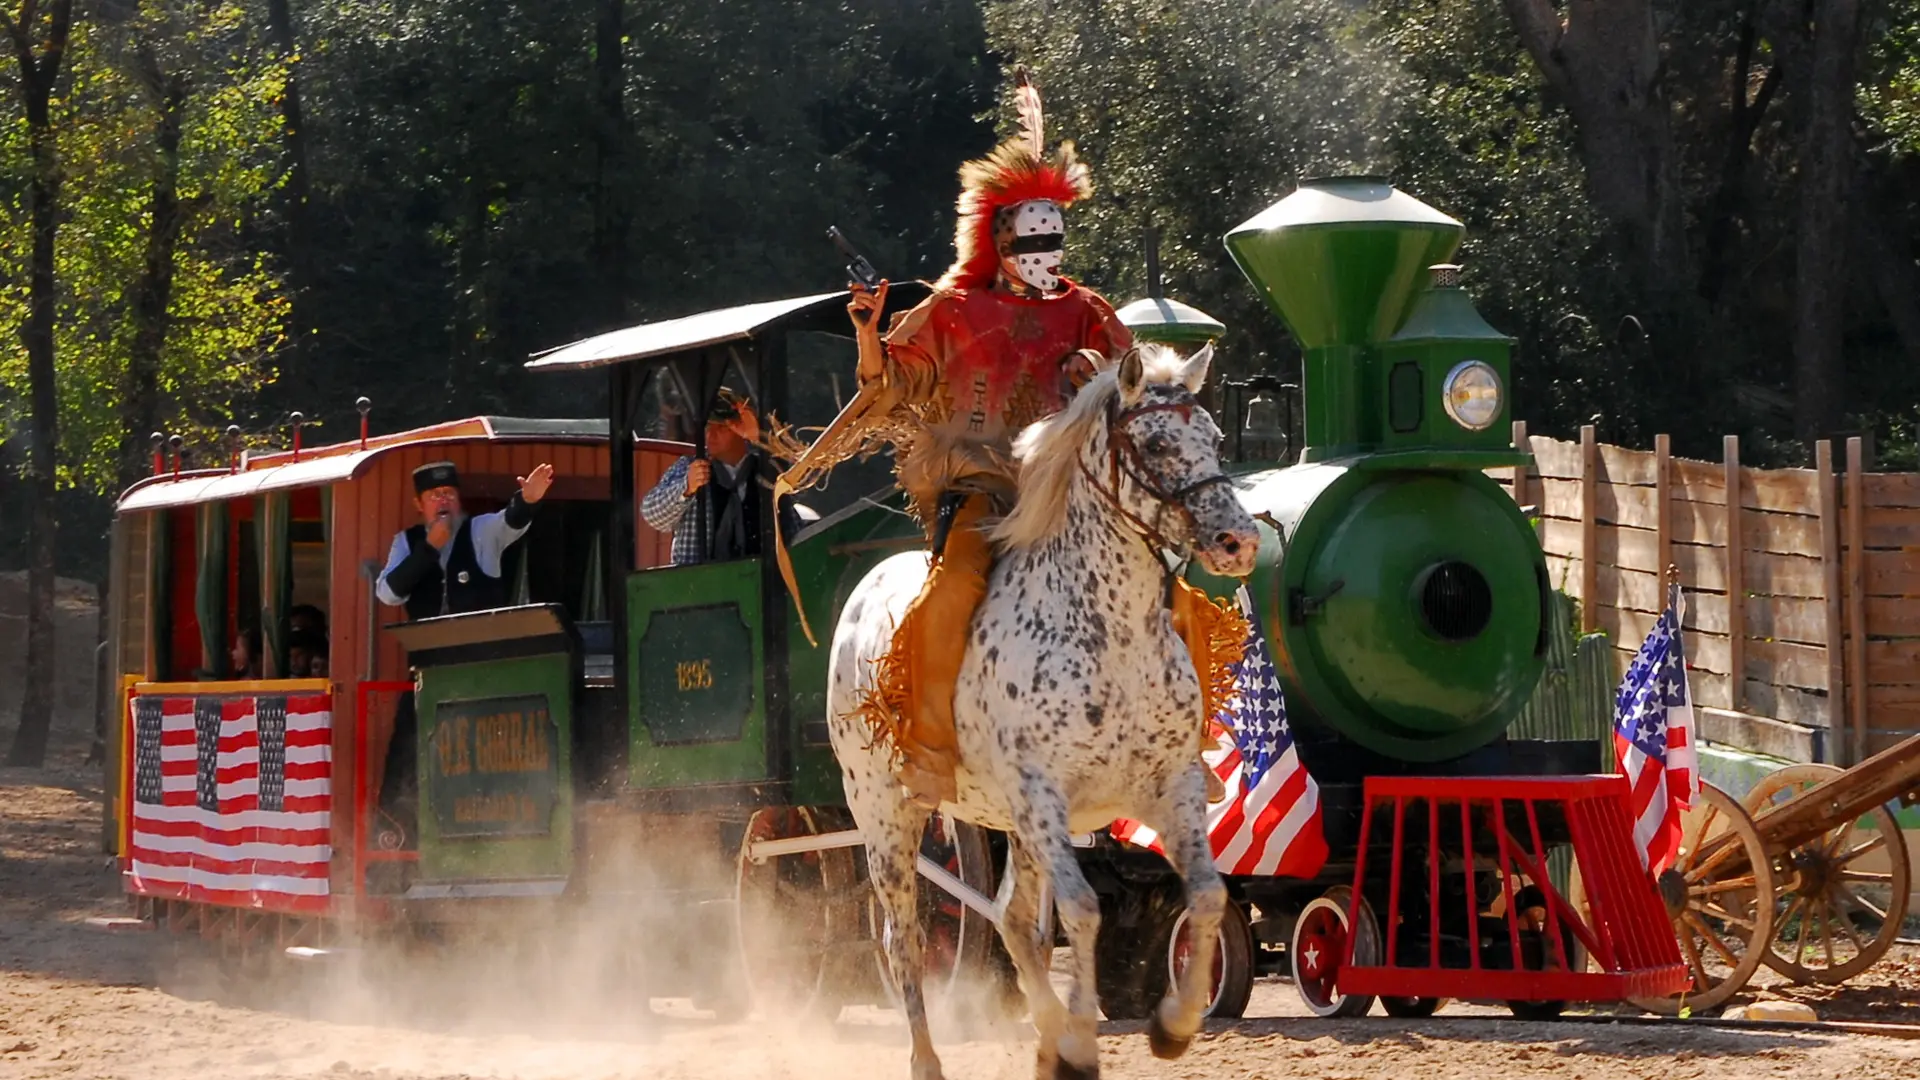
(272, 713)
(1653, 737)
(206, 748)
(146, 750)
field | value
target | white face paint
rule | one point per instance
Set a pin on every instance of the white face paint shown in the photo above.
(1031, 238)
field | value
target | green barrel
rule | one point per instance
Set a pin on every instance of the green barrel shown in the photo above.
(1407, 606)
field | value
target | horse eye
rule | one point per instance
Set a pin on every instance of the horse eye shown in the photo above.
(1157, 444)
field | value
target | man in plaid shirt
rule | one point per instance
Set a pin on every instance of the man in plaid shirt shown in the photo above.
(709, 504)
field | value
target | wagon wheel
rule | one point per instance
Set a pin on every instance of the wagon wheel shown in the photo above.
(1318, 950)
(795, 916)
(1837, 912)
(1723, 920)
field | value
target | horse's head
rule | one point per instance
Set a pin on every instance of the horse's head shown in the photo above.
(1163, 460)
(1138, 437)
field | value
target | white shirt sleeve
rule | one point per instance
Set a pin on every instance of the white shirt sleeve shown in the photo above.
(491, 538)
(396, 555)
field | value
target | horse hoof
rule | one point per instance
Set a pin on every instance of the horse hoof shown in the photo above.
(1067, 1070)
(1162, 1042)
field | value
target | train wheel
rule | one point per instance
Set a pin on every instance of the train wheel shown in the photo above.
(1138, 966)
(1842, 895)
(1412, 1008)
(1720, 906)
(1231, 984)
(1319, 946)
(794, 915)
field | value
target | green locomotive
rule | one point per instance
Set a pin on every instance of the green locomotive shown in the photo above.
(1404, 595)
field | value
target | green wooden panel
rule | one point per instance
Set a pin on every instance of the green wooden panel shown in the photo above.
(496, 791)
(826, 573)
(698, 666)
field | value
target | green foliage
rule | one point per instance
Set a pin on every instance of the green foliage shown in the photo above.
(224, 312)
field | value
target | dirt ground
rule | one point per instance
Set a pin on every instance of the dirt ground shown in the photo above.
(76, 1001)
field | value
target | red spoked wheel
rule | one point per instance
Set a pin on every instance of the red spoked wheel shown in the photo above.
(1230, 982)
(1318, 951)
(796, 915)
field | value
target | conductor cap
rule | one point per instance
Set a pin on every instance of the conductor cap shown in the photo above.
(433, 475)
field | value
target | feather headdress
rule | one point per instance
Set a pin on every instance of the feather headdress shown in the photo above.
(1016, 171)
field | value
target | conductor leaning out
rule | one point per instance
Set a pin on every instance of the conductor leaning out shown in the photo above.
(449, 564)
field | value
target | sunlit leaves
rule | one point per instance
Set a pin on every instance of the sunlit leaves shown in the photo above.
(225, 313)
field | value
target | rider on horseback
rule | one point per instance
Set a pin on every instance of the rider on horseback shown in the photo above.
(1003, 340)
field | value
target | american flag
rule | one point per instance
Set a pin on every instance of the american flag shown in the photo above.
(1270, 822)
(1654, 741)
(233, 799)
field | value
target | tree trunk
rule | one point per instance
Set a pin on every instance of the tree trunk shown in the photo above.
(37, 77)
(153, 292)
(1826, 179)
(1730, 196)
(299, 185)
(610, 213)
(1604, 61)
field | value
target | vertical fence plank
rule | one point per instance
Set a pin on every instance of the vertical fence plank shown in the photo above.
(1589, 527)
(1857, 595)
(1663, 500)
(1522, 444)
(1736, 589)
(1830, 567)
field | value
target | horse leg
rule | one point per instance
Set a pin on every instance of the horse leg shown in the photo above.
(1020, 930)
(1178, 1016)
(1042, 824)
(893, 843)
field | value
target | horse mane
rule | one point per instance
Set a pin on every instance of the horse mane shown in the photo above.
(1048, 451)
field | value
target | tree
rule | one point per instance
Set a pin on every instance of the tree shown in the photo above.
(39, 40)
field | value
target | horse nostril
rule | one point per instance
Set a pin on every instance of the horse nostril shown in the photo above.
(1228, 543)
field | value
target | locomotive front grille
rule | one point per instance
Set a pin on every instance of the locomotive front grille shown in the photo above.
(1455, 601)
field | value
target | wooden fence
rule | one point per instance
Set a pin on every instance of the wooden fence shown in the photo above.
(1818, 658)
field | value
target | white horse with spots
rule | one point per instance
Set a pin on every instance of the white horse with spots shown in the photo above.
(1077, 703)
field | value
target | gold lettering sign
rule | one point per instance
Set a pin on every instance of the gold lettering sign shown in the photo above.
(505, 742)
(694, 674)
(503, 809)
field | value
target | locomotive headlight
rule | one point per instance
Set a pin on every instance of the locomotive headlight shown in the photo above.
(1471, 394)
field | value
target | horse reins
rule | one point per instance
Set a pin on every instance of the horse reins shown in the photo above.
(1123, 455)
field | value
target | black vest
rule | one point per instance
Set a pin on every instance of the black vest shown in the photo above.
(462, 588)
(739, 503)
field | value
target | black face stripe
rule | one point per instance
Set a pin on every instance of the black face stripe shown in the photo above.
(1038, 243)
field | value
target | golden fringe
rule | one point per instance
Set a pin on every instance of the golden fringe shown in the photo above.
(1227, 631)
(1217, 644)
(883, 706)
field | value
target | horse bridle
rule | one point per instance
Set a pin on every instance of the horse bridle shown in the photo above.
(1123, 455)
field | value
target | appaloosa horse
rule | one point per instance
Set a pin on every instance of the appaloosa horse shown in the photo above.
(1077, 702)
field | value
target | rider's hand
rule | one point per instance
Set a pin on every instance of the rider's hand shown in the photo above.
(865, 309)
(440, 531)
(1079, 367)
(698, 473)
